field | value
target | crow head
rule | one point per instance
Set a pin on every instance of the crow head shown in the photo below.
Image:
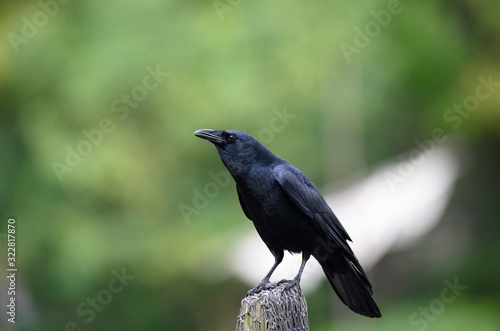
(237, 149)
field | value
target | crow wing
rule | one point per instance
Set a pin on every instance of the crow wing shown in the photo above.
(307, 198)
(304, 194)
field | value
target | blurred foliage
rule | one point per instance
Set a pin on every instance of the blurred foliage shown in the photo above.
(119, 207)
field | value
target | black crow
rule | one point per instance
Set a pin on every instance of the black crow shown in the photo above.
(289, 213)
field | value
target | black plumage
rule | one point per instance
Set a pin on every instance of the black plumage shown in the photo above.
(289, 213)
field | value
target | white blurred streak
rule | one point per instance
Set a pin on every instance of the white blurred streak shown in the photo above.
(379, 216)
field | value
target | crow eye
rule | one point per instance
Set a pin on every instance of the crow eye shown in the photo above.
(231, 137)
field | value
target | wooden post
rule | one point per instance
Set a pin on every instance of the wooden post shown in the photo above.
(280, 307)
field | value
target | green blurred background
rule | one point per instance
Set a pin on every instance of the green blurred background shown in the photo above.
(98, 155)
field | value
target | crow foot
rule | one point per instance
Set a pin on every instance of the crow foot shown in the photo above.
(289, 283)
(262, 286)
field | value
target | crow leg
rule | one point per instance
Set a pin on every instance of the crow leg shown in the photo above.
(278, 257)
(296, 279)
(305, 258)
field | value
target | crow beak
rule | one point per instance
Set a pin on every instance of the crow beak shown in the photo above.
(214, 136)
